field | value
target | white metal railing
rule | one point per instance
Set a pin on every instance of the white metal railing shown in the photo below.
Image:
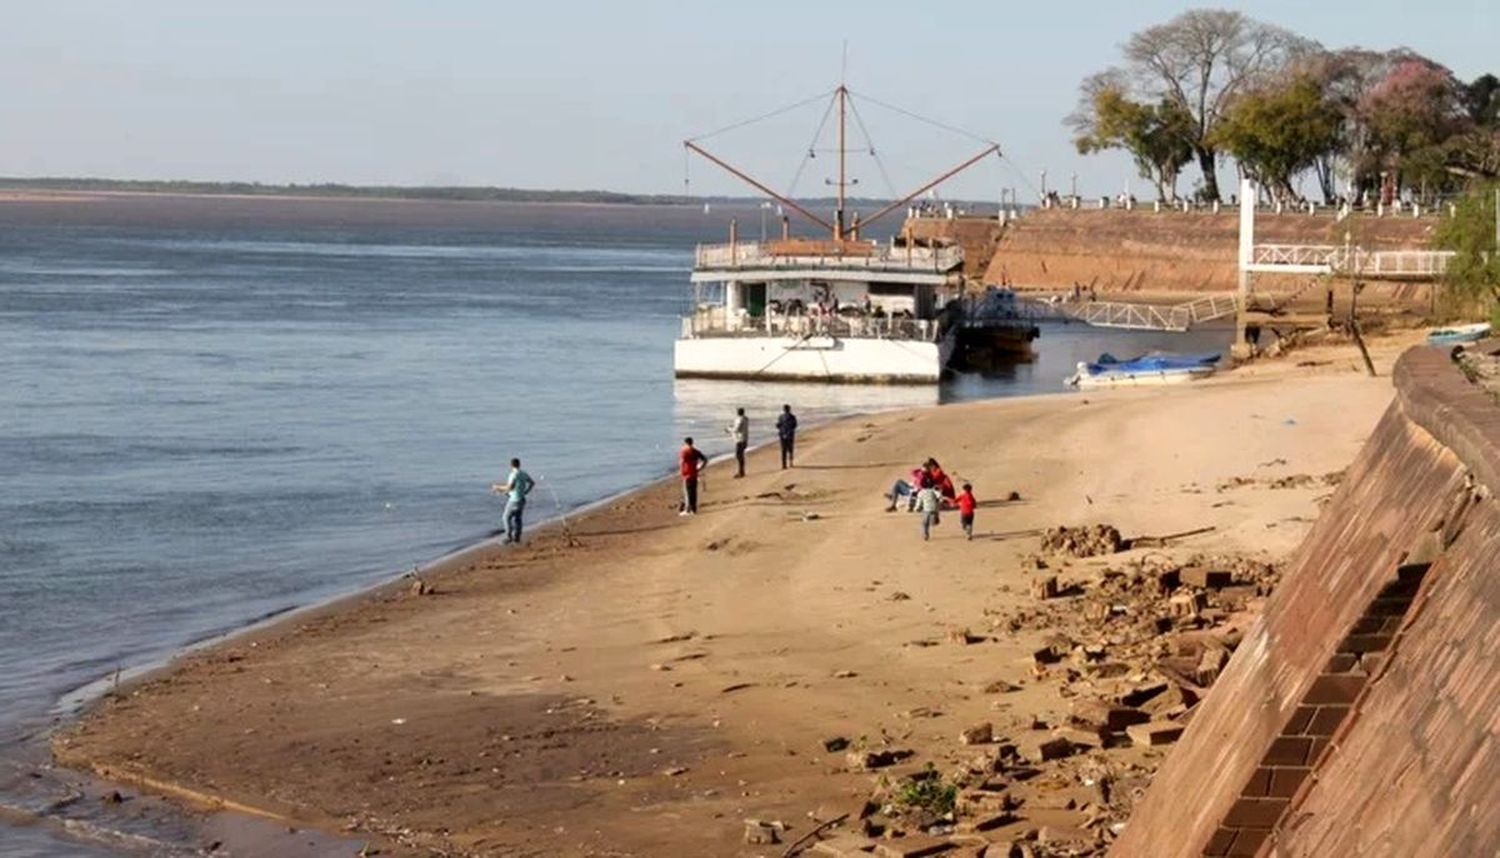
(1139, 317)
(715, 322)
(1329, 258)
(755, 254)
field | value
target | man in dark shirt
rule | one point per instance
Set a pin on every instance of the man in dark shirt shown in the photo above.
(786, 431)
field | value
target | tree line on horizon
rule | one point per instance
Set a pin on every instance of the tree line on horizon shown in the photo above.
(1368, 125)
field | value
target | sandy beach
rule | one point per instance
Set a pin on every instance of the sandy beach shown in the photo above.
(640, 684)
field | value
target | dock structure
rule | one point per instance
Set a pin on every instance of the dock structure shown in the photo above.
(1319, 260)
(1131, 316)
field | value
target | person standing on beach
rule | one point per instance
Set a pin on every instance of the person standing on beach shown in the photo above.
(966, 505)
(740, 431)
(928, 504)
(786, 432)
(690, 461)
(515, 488)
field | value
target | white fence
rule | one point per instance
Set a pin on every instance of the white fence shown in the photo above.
(760, 255)
(716, 322)
(1138, 317)
(1329, 259)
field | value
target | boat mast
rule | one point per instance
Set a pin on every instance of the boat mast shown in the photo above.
(838, 214)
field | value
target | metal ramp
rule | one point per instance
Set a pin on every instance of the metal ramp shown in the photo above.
(1129, 316)
(1333, 259)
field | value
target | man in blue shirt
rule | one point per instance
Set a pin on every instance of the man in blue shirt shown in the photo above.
(515, 488)
(786, 431)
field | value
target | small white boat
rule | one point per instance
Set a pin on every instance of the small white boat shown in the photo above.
(1152, 369)
(1458, 334)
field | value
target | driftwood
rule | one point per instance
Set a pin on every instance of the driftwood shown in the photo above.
(1161, 541)
(811, 835)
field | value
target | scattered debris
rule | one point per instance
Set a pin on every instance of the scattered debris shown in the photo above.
(759, 833)
(978, 734)
(1085, 541)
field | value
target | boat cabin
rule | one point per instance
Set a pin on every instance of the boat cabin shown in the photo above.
(807, 286)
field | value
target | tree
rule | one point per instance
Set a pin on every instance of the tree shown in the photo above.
(1473, 275)
(1157, 136)
(1199, 61)
(1412, 118)
(1279, 130)
(1345, 76)
(1482, 101)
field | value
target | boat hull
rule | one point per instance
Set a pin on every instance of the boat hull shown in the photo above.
(1460, 334)
(1142, 379)
(846, 360)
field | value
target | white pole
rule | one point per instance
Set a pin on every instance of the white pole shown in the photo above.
(1247, 245)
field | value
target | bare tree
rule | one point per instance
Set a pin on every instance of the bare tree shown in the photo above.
(1199, 60)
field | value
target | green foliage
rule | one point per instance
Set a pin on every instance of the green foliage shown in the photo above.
(1279, 130)
(930, 793)
(1158, 136)
(1221, 83)
(1473, 276)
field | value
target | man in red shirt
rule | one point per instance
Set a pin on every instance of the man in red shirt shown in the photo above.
(966, 504)
(690, 460)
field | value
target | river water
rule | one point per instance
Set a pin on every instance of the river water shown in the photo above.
(213, 410)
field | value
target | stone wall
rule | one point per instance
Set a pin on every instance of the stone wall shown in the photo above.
(1141, 250)
(978, 236)
(1358, 716)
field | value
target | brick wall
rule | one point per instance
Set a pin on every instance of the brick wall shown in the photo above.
(1124, 251)
(1365, 679)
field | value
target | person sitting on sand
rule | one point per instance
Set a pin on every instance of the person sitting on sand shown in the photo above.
(966, 504)
(928, 503)
(690, 461)
(940, 481)
(906, 489)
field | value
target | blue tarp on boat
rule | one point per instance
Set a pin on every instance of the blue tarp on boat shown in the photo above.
(1153, 362)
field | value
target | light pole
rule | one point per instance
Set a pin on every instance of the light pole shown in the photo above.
(765, 206)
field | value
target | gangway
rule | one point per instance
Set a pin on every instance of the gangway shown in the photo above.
(1131, 316)
(1322, 259)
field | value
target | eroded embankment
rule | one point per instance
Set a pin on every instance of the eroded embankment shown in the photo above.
(1357, 717)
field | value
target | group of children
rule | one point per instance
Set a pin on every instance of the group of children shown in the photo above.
(928, 492)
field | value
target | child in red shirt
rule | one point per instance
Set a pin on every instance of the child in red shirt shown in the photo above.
(966, 505)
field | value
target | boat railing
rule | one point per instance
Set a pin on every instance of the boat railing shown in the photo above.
(715, 322)
(763, 255)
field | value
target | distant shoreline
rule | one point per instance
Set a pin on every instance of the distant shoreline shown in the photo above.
(27, 189)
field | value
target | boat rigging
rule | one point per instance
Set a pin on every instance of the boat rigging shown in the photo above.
(841, 99)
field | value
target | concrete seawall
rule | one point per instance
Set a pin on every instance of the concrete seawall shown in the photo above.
(1123, 251)
(1358, 716)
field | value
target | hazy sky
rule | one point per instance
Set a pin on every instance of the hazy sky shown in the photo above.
(566, 94)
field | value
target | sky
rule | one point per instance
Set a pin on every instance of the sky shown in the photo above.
(600, 95)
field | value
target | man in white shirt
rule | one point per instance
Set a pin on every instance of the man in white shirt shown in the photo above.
(740, 431)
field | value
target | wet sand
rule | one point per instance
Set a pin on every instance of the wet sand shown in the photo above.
(639, 683)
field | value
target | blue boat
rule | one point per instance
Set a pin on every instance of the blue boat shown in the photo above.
(1152, 368)
(1458, 334)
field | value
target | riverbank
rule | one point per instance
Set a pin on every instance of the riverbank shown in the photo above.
(638, 683)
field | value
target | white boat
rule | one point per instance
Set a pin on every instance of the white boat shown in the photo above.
(1152, 369)
(821, 310)
(1459, 334)
(834, 308)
